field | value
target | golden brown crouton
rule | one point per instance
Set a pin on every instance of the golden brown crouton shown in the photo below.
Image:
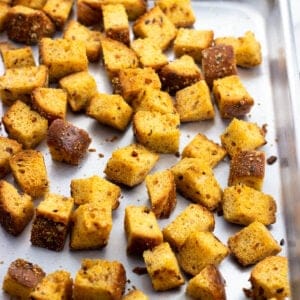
(135, 295)
(35, 4)
(87, 14)
(17, 57)
(4, 8)
(27, 25)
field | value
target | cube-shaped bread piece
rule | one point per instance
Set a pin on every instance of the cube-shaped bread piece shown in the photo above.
(217, 62)
(111, 110)
(66, 142)
(130, 165)
(193, 103)
(25, 125)
(154, 24)
(15, 210)
(35, 4)
(242, 135)
(232, 98)
(162, 193)
(99, 279)
(4, 8)
(7, 148)
(18, 57)
(87, 14)
(179, 12)
(131, 81)
(192, 42)
(247, 49)
(95, 188)
(192, 219)
(142, 229)
(115, 22)
(80, 88)
(269, 278)
(27, 25)
(244, 205)
(180, 73)
(62, 57)
(92, 223)
(29, 171)
(76, 31)
(247, 167)
(56, 285)
(117, 56)
(18, 83)
(152, 99)
(203, 148)
(200, 249)
(135, 295)
(149, 53)
(50, 103)
(195, 180)
(208, 284)
(51, 223)
(58, 11)
(252, 244)
(21, 278)
(157, 131)
(162, 267)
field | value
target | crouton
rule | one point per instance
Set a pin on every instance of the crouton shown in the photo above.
(35, 4)
(4, 8)
(87, 14)
(18, 57)
(135, 295)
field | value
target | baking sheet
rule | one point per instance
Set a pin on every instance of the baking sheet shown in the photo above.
(225, 18)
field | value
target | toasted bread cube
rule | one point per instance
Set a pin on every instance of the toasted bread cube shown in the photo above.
(207, 285)
(66, 142)
(99, 279)
(149, 53)
(244, 205)
(159, 132)
(27, 25)
(200, 249)
(135, 295)
(192, 42)
(247, 167)
(217, 62)
(50, 103)
(154, 24)
(203, 148)
(29, 170)
(269, 278)
(92, 223)
(142, 229)
(162, 267)
(247, 49)
(95, 188)
(115, 21)
(51, 223)
(35, 4)
(18, 83)
(56, 285)
(152, 99)
(162, 193)
(179, 12)
(80, 88)
(193, 103)
(91, 38)
(4, 8)
(111, 110)
(15, 210)
(131, 81)
(130, 165)
(232, 98)
(25, 125)
(18, 58)
(180, 73)
(195, 180)
(21, 278)
(117, 56)
(241, 135)
(192, 219)
(62, 57)
(87, 14)
(7, 148)
(58, 11)
(252, 244)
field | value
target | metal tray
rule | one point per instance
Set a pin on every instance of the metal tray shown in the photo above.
(273, 87)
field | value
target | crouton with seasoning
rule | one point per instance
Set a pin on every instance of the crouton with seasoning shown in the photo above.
(4, 8)
(35, 4)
